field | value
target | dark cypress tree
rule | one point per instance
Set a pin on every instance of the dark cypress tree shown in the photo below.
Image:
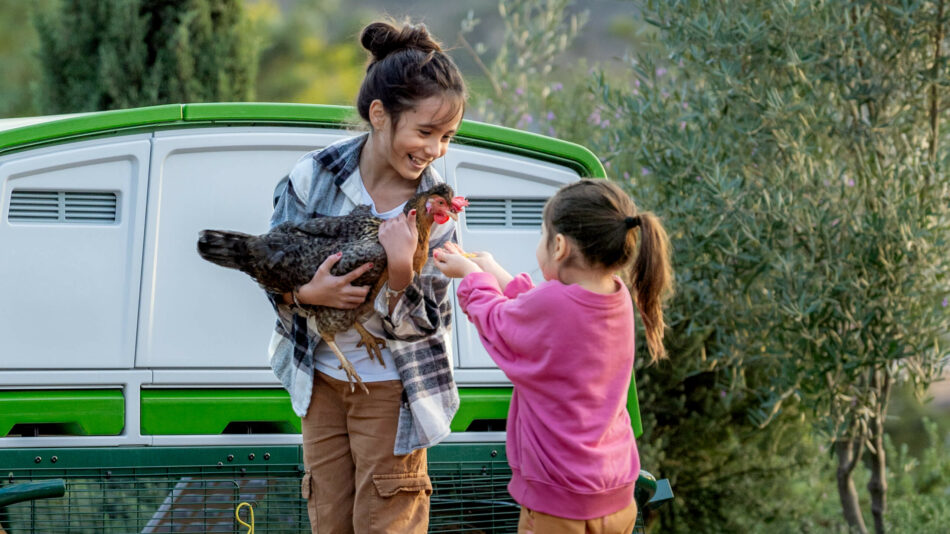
(114, 54)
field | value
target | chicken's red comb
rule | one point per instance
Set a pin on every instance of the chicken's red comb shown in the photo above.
(458, 203)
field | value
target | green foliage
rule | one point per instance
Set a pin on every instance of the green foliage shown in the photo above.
(524, 85)
(115, 54)
(807, 210)
(18, 43)
(312, 53)
(919, 485)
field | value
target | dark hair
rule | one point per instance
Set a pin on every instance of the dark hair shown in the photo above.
(406, 65)
(602, 221)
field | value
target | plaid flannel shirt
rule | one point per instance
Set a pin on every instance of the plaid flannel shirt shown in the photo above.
(418, 331)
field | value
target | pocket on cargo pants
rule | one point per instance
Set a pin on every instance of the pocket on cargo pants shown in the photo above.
(401, 503)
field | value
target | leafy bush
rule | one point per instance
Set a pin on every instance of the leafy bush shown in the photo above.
(116, 54)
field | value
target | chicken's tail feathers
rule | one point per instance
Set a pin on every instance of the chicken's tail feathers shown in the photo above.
(227, 249)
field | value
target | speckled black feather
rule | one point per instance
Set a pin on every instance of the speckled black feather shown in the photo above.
(287, 256)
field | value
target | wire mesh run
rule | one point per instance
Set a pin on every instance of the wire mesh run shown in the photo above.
(154, 490)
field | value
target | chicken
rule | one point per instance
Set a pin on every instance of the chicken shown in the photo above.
(289, 254)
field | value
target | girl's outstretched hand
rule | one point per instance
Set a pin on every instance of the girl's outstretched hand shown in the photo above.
(485, 262)
(453, 261)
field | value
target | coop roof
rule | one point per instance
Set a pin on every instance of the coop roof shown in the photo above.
(23, 133)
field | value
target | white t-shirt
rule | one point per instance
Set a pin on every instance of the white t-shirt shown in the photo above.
(369, 370)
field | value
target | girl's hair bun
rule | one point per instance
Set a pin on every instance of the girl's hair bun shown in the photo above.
(383, 38)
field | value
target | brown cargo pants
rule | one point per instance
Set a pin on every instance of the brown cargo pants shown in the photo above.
(353, 483)
(620, 522)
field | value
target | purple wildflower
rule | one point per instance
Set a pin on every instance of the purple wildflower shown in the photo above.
(550, 115)
(557, 86)
(682, 125)
(944, 302)
(660, 72)
(626, 176)
(644, 171)
(519, 91)
(527, 118)
(850, 182)
(605, 124)
(551, 131)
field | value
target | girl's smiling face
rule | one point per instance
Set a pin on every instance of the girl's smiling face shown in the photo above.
(421, 135)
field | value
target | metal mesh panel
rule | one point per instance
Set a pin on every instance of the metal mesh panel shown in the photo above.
(154, 490)
(197, 489)
(183, 499)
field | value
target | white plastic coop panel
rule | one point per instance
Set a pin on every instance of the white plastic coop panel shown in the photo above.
(71, 226)
(506, 194)
(195, 313)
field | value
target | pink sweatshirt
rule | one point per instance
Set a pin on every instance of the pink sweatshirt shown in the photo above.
(569, 353)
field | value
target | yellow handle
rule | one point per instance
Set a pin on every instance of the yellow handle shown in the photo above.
(250, 510)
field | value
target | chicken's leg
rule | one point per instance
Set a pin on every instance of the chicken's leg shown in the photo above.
(374, 345)
(345, 364)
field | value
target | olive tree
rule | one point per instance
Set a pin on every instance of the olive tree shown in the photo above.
(808, 137)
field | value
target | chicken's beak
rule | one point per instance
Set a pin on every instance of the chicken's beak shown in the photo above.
(455, 216)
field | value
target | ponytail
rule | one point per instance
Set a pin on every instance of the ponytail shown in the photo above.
(652, 281)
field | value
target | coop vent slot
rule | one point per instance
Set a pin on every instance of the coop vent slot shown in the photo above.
(92, 207)
(504, 212)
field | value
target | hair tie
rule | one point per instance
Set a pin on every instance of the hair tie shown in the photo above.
(632, 222)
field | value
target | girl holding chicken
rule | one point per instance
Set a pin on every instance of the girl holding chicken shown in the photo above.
(365, 454)
(570, 445)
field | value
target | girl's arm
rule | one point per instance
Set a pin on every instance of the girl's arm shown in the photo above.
(508, 323)
(424, 307)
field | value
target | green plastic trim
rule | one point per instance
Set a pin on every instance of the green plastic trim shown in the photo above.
(79, 412)
(480, 403)
(270, 112)
(87, 124)
(493, 403)
(479, 133)
(470, 133)
(476, 454)
(633, 406)
(209, 411)
(94, 461)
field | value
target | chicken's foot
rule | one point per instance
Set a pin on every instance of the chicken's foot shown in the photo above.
(374, 345)
(345, 364)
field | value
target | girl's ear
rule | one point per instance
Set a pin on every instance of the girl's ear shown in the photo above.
(562, 247)
(378, 117)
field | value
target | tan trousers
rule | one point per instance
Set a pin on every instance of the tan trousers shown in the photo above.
(353, 483)
(622, 522)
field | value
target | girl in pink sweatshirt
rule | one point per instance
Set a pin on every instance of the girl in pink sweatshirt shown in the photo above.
(567, 345)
